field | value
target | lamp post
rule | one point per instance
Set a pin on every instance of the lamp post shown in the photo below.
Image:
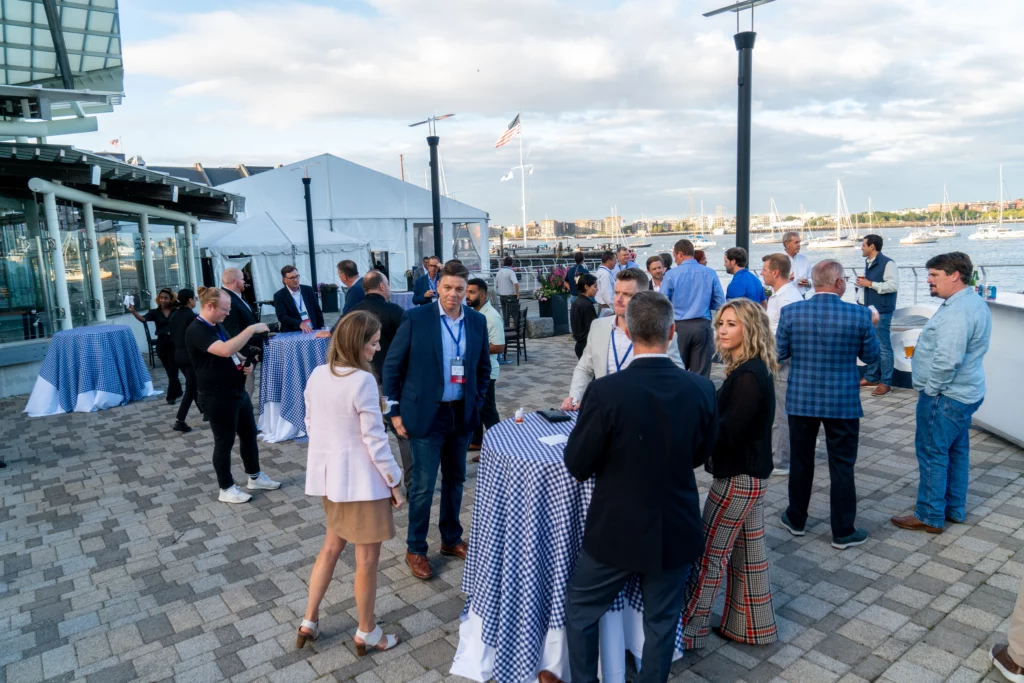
(745, 47)
(435, 185)
(309, 226)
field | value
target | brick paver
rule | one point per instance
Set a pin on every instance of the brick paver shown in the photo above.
(118, 563)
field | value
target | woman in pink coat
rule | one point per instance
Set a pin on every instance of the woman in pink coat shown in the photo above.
(351, 467)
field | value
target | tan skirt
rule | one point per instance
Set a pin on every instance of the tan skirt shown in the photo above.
(363, 521)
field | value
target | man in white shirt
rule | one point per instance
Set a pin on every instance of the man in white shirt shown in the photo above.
(800, 270)
(878, 287)
(656, 270)
(776, 274)
(608, 348)
(605, 284)
(506, 282)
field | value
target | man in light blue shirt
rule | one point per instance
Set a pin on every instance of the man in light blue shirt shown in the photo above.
(623, 261)
(948, 373)
(694, 291)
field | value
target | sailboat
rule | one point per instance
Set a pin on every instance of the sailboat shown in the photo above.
(700, 241)
(997, 232)
(941, 230)
(844, 228)
(774, 237)
(919, 236)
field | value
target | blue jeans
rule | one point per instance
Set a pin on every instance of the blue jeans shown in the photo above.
(943, 449)
(881, 370)
(442, 448)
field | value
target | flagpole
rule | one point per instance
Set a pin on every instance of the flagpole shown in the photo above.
(522, 176)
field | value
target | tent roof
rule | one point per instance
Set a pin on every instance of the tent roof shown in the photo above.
(261, 234)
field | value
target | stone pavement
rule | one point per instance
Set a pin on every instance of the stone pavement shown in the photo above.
(118, 563)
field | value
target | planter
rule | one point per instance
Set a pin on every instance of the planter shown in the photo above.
(329, 302)
(556, 308)
(409, 285)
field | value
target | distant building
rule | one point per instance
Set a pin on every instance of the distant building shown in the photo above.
(612, 223)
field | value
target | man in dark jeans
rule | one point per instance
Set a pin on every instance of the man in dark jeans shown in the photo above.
(476, 296)
(220, 376)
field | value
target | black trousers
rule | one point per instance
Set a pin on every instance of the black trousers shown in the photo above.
(696, 345)
(230, 416)
(841, 437)
(590, 593)
(488, 415)
(190, 391)
(165, 352)
(580, 346)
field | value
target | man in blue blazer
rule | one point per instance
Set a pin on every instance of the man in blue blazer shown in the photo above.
(440, 383)
(296, 305)
(823, 337)
(424, 290)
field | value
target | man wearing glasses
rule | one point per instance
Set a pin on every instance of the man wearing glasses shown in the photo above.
(296, 305)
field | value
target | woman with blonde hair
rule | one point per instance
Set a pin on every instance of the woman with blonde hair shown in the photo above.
(740, 465)
(350, 465)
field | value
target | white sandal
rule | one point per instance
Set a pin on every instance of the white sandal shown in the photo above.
(300, 640)
(373, 641)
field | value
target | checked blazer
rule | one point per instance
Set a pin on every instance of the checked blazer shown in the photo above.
(823, 337)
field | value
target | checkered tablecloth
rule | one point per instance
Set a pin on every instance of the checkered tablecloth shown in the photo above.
(526, 533)
(288, 361)
(90, 368)
(403, 299)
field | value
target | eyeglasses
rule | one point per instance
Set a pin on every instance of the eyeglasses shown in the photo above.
(292, 277)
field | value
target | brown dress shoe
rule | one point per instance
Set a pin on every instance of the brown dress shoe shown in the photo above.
(1000, 656)
(865, 383)
(419, 565)
(882, 390)
(458, 550)
(476, 458)
(914, 524)
(475, 446)
(546, 676)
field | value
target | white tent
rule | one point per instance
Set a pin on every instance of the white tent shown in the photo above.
(381, 212)
(269, 246)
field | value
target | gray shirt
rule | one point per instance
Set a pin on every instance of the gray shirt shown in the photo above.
(505, 282)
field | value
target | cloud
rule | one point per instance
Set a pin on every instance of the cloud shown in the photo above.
(627, 102)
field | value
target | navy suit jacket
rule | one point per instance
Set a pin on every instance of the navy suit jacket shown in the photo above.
(288, 312)
(354, 296)
(413, 373)
(421, 287)
(822, 337)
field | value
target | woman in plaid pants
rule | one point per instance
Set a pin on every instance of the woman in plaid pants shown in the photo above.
(741, 465)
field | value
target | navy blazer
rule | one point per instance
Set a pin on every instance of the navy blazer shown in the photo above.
(288, 313)
(354, 296)
(822, 337)
(421, 287)
(413, 375)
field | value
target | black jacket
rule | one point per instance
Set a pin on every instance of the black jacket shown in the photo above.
(746, 410)
(642, 432)
(390, 316)
(288, 312)
(581, 315)
(241, 317)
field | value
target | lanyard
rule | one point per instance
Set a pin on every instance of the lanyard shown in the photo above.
(615, 350)
(432, 283)
(216, 328)
(302, 303)
(457, 340)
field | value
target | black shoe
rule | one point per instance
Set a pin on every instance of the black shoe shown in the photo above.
(180, 426)
(2, 464)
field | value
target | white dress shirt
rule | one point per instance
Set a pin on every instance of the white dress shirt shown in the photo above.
(785, 295)
(300, 304)
(619, 343)
(605, 287)
(801, 270)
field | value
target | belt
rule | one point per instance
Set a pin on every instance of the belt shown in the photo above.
(451, 403)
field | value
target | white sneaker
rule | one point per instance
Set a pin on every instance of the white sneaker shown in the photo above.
(780, 472)
(234, 495)
(262, 482)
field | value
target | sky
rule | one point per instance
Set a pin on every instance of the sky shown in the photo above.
(629, 104)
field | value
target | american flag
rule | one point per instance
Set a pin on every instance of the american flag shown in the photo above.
(116, 142)
(511, 132)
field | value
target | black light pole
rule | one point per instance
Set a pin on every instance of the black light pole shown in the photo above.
(745, 47)
(435, 184)
(309, 231)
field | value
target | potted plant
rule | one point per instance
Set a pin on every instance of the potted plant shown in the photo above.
(328, 297)
(408, 280)
(553, 297)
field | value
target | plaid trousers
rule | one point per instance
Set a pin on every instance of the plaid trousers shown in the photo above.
(734, 532)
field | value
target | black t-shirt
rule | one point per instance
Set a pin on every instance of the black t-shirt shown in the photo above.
(181, 319)
(162, 322)
(214, 375)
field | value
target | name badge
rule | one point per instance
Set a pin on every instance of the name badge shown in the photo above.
(238, 360)
(458, 371)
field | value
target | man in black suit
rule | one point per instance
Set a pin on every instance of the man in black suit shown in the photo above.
(296, 305)
(424, 290)
(241, 316)
(652, 425)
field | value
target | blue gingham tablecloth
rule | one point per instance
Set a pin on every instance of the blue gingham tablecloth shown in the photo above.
(403, 299)
(526, 533)
(288, 361)
(90, 368)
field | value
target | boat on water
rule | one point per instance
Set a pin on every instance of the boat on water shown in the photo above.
(920, 236)
(844, 234)
(940, 231)
(997, 232)
(774, 236)
(701, 242)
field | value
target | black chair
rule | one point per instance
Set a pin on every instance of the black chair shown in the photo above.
(151, 343)
(508, 308)
(521, 338)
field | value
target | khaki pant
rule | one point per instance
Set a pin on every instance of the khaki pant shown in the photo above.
(780, 428)
(1015, 634)
(250, 388)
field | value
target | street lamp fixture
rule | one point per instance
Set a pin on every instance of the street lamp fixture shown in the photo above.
(435, 185)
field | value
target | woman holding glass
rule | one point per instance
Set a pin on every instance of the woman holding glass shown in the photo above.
(740, 465)
(350, 465)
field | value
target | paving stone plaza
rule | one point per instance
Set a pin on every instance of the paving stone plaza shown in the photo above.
(118, 563)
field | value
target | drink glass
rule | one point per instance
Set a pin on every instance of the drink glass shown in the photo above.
(908, 349)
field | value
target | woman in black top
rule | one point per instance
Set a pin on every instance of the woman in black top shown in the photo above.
(583, 312)
(741, 465)
(161, 318)
(182, 317)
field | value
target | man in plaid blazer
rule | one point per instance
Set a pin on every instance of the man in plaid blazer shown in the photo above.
(823, 337)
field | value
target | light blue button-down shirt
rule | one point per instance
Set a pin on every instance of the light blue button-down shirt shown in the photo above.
(452, 392)
(694, 290)
(949, 353)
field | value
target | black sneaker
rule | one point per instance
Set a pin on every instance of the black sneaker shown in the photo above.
(793, 529)
(180, 426)
(858, 537)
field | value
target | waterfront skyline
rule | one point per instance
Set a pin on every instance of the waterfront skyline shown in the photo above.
(628, 103)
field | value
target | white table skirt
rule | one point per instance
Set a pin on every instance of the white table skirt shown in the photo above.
(45, 400)
(273, 427)
(620, 631)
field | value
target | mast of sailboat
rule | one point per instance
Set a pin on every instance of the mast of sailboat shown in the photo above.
(870, 214)
(1000, 195)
